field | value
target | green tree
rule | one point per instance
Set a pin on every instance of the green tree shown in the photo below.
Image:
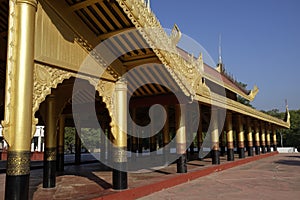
(291, 137)
(90, 138)
(69, 139)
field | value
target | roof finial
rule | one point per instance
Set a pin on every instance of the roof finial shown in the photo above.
(220, 67)
(148, 5)
(220, 49)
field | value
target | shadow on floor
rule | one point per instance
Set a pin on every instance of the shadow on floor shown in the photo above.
(289, 162)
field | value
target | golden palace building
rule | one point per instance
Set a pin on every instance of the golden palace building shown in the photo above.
(59, 57)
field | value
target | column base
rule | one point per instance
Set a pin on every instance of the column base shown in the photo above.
(192, 149)
(215, 155)
(77, 158)
(49, 174)
(230, 154)
(250, 151)
(222, 151)
(263, 149)
(268, 148)
(17, 187)
(274, 147)
(60, 162)
(120, 180)
(152, 147)
(257, 150)
(181, 164)
(241, 152)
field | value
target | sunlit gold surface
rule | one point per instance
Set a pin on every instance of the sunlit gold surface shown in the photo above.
(180, 112)
(19, 75)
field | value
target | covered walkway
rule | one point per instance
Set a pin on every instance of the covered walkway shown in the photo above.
(275, 172)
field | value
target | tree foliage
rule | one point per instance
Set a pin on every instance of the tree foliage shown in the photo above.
(291, 137)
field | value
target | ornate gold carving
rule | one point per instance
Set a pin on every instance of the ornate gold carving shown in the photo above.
(14, 60)
(200, 87)
(163, 46)
(253, 93)
(18, 163)
(175, 35)
(9, 72)
(50, 154)
(119, 155)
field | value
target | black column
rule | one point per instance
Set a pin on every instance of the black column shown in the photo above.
(181, 164)
(120, 168)
(241, 152)
(215, 155)
(257, 149)
(17, 175)
(49, 173)
(263, 149)
(250, 151)
(60, 159)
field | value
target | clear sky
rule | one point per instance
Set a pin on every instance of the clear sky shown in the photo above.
(260, 41)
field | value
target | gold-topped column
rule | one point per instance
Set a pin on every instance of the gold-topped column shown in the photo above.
(223, 142)
(120, 137)
(241, 137)
(61, 144)
(257, 138)
(215, 137)
(166, 136)
(180, 114)
(49, 177)
(249, 137)
(268, 138)
(18, 97)
(229, 137)
(274, 138)
(263, 138)
(199, 132)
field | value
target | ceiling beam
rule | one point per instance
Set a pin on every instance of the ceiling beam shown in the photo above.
(113, 33)
(84, 4)
(141, 61)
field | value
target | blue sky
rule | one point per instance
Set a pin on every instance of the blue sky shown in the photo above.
(260, 41)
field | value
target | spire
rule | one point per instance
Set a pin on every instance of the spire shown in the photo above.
(220, 67)
(220, 49)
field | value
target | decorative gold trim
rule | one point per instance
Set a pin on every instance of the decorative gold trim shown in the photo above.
(119, 154)
(18, 163)
(50, 154)
(253, 93)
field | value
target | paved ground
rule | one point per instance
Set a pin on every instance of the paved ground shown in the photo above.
(276, 177)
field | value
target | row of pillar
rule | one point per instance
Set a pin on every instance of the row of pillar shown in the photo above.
(18, 162)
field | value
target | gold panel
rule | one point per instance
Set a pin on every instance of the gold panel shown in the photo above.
(18, 163)
(119, 154)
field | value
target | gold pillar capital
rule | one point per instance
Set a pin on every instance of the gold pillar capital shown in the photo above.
(180, 110)
(120, 101)
(29, 2)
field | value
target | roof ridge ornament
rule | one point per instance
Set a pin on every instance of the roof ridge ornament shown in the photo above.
(175, 35)
(220, 66)
(253, 93)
